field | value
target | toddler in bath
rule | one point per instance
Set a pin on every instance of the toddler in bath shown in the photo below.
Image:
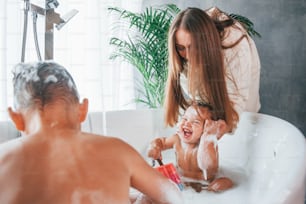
(196, 149)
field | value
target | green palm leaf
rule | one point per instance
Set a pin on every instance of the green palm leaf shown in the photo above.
(147, 49)
(247, 24)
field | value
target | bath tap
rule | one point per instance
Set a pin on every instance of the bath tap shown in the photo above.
(51, 18)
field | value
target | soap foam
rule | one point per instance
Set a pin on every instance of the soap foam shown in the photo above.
(51, 79)
(171, 193)
(204, 161)
(91, 196)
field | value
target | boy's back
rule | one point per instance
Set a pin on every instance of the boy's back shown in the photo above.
(68, 168)
(64, 169)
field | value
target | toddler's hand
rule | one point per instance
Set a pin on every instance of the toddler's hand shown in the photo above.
(155, 149)
(218, 128)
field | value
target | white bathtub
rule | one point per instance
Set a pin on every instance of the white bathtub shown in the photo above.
(266, 157)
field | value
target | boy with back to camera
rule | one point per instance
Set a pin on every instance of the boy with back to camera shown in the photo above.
(55, 162)
(196, 148)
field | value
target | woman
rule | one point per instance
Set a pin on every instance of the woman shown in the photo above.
(212, 60)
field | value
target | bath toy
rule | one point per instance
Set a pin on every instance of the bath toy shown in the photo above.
(170, 172)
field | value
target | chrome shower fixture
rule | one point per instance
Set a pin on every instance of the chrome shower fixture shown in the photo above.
(66, 18)
(25, 27)
(51, 4)
(51, 18)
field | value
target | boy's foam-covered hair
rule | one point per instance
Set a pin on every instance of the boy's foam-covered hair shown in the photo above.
(40, 83)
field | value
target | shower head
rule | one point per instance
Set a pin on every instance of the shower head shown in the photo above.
(52, 17)
(51, 4)
(66, 18)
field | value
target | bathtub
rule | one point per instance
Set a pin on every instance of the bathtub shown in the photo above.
(266, 157)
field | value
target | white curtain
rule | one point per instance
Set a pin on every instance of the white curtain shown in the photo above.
(82, 46)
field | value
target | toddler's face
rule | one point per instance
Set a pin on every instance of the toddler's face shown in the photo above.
(191, 125)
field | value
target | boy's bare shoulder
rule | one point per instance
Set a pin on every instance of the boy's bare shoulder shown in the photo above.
(114, 149)
(10, 146)
(11, 156)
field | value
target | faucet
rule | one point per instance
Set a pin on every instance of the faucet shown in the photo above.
(51, 18)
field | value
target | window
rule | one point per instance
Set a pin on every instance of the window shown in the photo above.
(81, 46)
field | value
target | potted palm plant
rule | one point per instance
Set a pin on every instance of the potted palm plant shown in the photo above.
(145, 47)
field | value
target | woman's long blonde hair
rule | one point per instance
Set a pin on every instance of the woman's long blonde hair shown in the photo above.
(206, 73)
